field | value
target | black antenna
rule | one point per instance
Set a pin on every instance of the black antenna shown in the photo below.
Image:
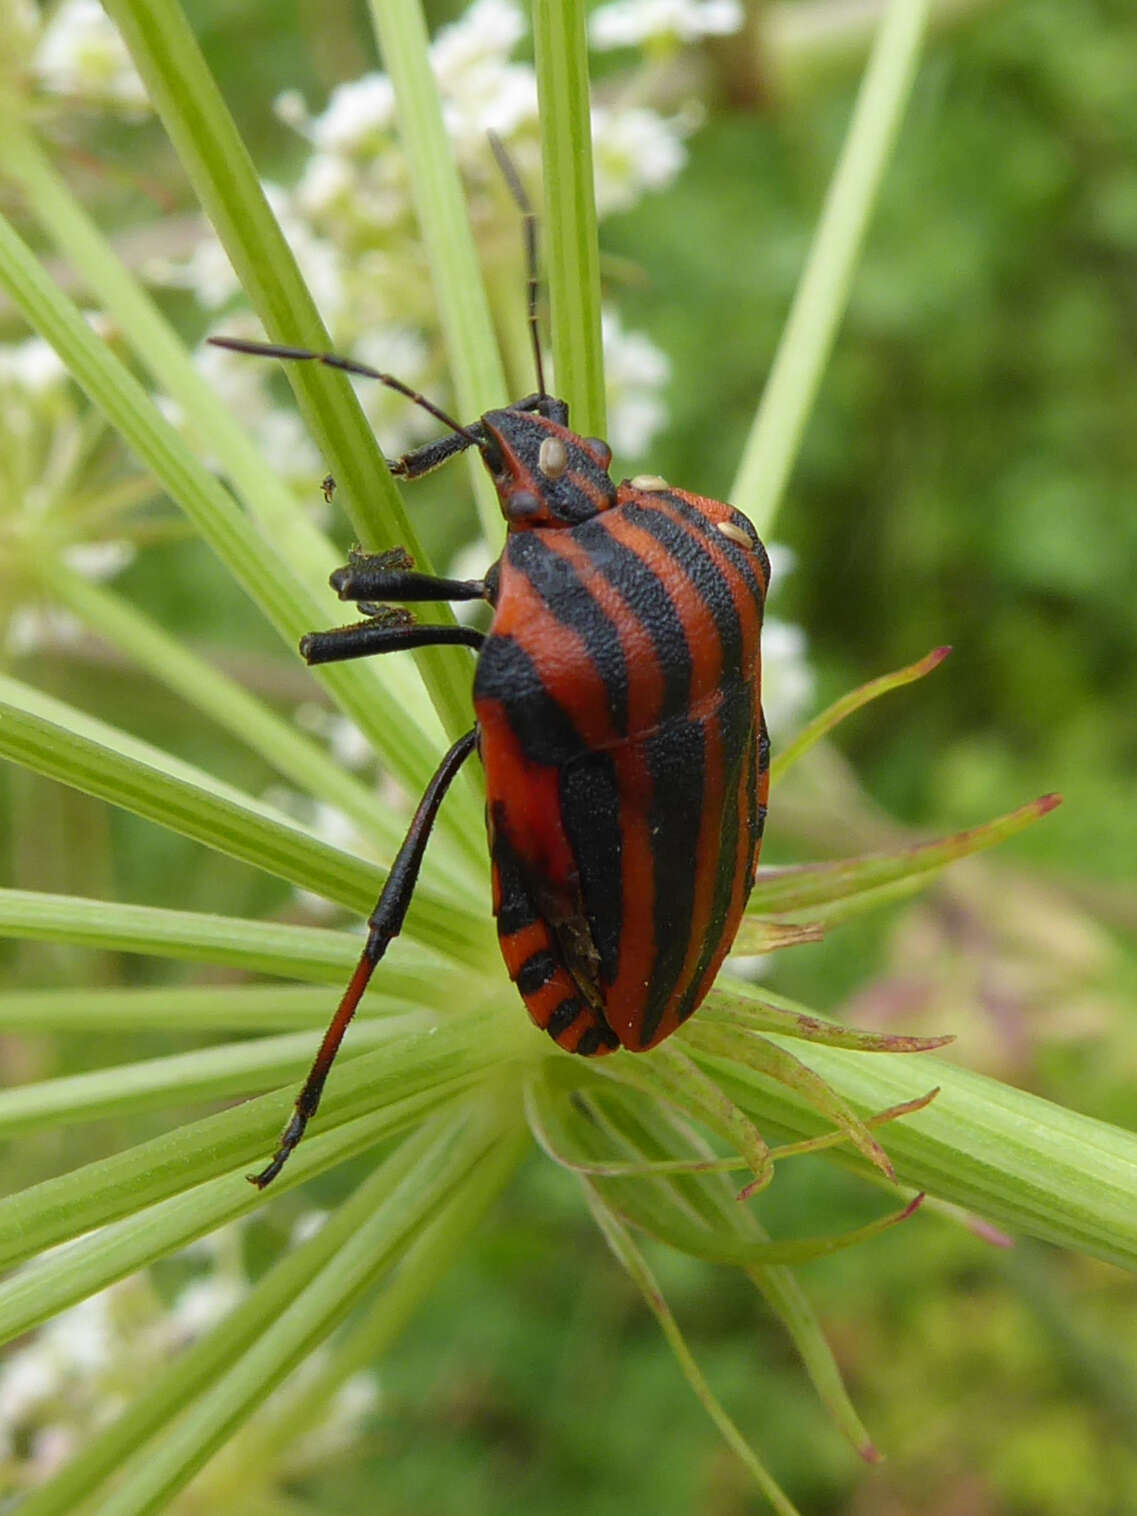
(529, 223)
(349, 366)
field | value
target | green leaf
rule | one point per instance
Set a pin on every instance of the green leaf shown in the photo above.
(812, 886)
(427, 1260)
(620, 1241)
(767, 1057)
(268, 947)
(572, 256)
(402, 986)
(295, 756)
(459, 290)
(442, 1060)
(766, 1011)
(181, 1079)
(1008, 1156)
(54, 739)
(91, 1263)
(823, 291)
(841, 709)
(216, 1385)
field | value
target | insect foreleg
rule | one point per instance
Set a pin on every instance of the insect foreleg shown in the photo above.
(366, 578)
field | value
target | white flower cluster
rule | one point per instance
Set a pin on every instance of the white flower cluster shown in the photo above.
(351, 222)
(787, 678)
(662, 23)
(81, 56)
(77, 1372)
(45, 458)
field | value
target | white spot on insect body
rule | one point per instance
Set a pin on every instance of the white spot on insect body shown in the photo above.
(552, 458)
(736, 533)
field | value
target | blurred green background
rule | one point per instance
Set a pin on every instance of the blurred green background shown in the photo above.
(969, 476)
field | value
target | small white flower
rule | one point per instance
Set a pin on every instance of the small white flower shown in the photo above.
(787, 679)
(83, 1338)
(206, 271)
(28, 1377)
(327, 183)
(52, 1447)
(633, 151)
(634, 422)
(636, 371)
(357, 114)
(34, 365)
(490, 29)
(351, 1405)
(631, 358)
(783, 561)
(306, 1225)
(489, 96)
(632, 23)
(348, 744)
(32, 627)
(81, 54)
(283, 437)
(99, 560)
(331, 826)
(356, 1399)
(471, 562)
(204, 1302)
(291, 108)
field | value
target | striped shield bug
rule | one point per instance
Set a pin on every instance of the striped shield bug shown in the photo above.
(617, 696)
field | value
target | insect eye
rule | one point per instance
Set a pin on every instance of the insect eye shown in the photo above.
(600, 449)
(737, 534)
(552, 459)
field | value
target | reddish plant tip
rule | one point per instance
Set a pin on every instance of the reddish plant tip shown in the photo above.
(938, 654)
(987, 1232)
(1047, 803)
(884, 1164)
(869, 1453)
(912, 1207)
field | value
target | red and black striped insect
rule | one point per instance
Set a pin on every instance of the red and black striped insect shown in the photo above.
(619, 721)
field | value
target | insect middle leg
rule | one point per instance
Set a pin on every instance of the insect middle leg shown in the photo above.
(384, 924)
(366, 638)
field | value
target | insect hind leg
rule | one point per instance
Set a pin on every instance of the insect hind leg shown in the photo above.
(384, 925)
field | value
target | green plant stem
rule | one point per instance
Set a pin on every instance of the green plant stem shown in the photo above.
(1017, 1160)
(823, 291)
(91, 1263)
(619, 1239)
(210, 1007)
(295, 756)
(227, 1374)
(214, 157)
(447, 1155)
(51, 738)
(459, 290)
(184, 1079)
(426, 1262)
(439, 1062)
(572, 251)
(252, 560)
